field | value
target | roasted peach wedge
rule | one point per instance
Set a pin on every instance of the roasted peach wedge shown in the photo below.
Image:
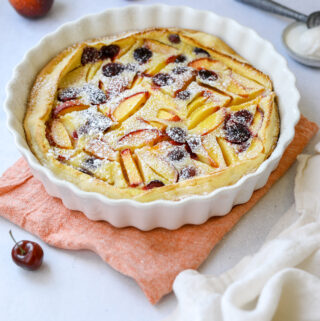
(131, 169)
(68, 107)
(196, 145)
(160, 47)
(210, 123)
(208, 64)
(130, 105)
(161, 167)
(124, 45)
(102, 150)
(167, 114)
(140, 137)
(60, 135)
(93, 69)
(154, 123)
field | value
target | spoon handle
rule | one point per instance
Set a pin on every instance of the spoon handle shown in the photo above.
(277, 8)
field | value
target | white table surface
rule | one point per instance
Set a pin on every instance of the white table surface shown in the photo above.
(78, 285)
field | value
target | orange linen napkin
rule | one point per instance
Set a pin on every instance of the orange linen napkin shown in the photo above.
(152, 258)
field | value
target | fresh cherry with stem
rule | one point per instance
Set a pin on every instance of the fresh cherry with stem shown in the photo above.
(27, 254)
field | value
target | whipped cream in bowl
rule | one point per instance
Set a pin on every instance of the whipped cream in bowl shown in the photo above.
(303, 44)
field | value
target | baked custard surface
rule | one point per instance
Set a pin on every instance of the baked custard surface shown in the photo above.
(157, 114)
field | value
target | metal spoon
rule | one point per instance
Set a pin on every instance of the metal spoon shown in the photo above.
(306, 60)
(312, 20)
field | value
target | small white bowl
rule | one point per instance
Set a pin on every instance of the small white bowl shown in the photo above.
(168, 214)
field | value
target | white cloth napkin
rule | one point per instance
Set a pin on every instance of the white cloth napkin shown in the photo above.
(280, 282)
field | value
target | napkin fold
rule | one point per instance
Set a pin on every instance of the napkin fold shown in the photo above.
(280, 282)
(152, 258)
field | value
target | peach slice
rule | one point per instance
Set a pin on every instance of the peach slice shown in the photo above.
(93, 69)
(168, 114)
(147, 173)
(160, 47)
(140, 137)
(196, 103)
(162, 168)
(213, 150)
(102, 150)
(213, 121)
(197, 147)
(161, 126)
(125, 45)
(256, 147)
(229, 154)
(200, 114)
(131, 169)
(60, 135)
(68, 107)
(154, 123)
(118, 175)
(257, 122)
(244, 87)
(74, 78)
(155, 68)
(208, 64)
(157, 124)
(204, 157)
(130, 105)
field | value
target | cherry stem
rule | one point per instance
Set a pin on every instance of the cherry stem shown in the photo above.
(21, 249)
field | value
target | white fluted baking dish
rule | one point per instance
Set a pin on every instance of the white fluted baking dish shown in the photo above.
(161, 213)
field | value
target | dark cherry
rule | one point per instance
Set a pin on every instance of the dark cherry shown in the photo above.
(97, 96)
(176, 154)
(27, 254)
(174, 38)
(110, 51)
(99, 123)
(85, 171)
(207, 75)
(235, 132)
(112, 69)
(194, 143)
(75, 134)
(142, 54)
(162, 79)
(191, 153)
(188, 172)
(89, 54)
(242, 147)
(243, 116)
(90, 163)
(184, 94)
(68, 94)
(180, 59)
(200, 51)
(61, 158)
(177, 134)
(179, 70)
(153, 184)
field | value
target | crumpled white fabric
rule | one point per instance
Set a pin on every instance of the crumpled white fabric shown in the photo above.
(280, 282)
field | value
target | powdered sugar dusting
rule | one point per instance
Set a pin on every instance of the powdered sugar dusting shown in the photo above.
(157, 125)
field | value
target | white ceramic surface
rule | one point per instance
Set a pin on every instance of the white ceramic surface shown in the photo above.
(168, 214)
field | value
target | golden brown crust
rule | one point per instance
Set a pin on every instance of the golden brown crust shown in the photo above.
(44, 93)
